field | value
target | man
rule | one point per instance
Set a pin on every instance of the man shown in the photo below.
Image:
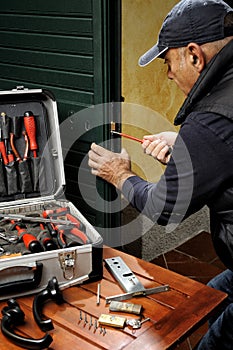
(196, 43)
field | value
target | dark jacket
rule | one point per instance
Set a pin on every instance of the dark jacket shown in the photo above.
(216, 85)
(200, 171)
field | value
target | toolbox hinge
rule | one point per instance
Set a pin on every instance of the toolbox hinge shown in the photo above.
(68, 262)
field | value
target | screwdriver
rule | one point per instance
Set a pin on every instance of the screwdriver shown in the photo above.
(30, 126)
(45, 238)
(6, 125)
(30, 241)
(127, 136)
(136, 139)
(3, 149)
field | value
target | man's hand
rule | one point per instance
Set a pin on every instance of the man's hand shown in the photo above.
(159, 145)
(112, 167)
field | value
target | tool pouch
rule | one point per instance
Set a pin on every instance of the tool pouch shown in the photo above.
(16, 126)
(25, 177)
(3, 190)
(38, 174)
(12, 178)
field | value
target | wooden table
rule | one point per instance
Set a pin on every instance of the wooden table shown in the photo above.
(174, 314)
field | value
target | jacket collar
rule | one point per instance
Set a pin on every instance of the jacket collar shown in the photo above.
(207, 80)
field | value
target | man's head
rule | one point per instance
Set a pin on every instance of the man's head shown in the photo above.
(198, 21)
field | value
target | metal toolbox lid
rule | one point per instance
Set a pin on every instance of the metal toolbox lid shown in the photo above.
(44, 107)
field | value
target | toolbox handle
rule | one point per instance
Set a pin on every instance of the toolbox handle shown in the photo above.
(25, 285)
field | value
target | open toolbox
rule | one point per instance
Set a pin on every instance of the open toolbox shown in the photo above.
(42, 235)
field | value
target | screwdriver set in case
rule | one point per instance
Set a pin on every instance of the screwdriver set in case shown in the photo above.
(42, 235)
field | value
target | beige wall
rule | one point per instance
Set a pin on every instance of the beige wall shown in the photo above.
(148, 87)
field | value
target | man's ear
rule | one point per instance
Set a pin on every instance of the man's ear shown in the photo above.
(196, 56)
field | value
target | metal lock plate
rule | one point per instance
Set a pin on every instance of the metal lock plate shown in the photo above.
(127, 279)
(68, 262)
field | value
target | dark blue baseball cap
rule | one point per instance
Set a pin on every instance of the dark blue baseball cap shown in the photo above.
(199, 21)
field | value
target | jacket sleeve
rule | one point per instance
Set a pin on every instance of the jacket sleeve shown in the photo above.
(196, 170)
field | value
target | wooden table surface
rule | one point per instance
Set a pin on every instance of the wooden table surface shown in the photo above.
(173, 315)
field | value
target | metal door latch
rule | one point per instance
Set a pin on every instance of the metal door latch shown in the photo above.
(128, 281)
(67, 261)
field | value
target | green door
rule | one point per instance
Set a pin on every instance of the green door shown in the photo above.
(71, 48)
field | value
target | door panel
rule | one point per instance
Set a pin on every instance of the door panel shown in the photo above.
(71, 48)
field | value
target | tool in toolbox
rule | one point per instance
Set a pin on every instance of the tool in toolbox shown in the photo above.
(3, 147)
(9, 238)
(35, 219)
(6, 124)
(60, 212)
(8, 159)
(77, 233)
(46, 239)
(64, 233)
(9, 153)
(30, 126)
(30, 241)
(128, 281)
(3, 189)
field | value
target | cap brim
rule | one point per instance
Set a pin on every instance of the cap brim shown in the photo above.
(155, 52)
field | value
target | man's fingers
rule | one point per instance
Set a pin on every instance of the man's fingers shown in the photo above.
(124, 154)
(101, 151)
(155, 147)
(92, 164)
(93, 156)
(161, 155)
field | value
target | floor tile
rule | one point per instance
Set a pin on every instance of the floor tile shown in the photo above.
(200, 246)
(187, 265)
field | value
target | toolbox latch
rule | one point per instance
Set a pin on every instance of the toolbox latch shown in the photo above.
(68, 261)
(19, 87)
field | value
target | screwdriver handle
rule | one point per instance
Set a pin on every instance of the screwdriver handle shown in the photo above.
(30, 126)
(6, 124)
(3, 152)
(10, 157)
(46, 240)
(30, 241)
